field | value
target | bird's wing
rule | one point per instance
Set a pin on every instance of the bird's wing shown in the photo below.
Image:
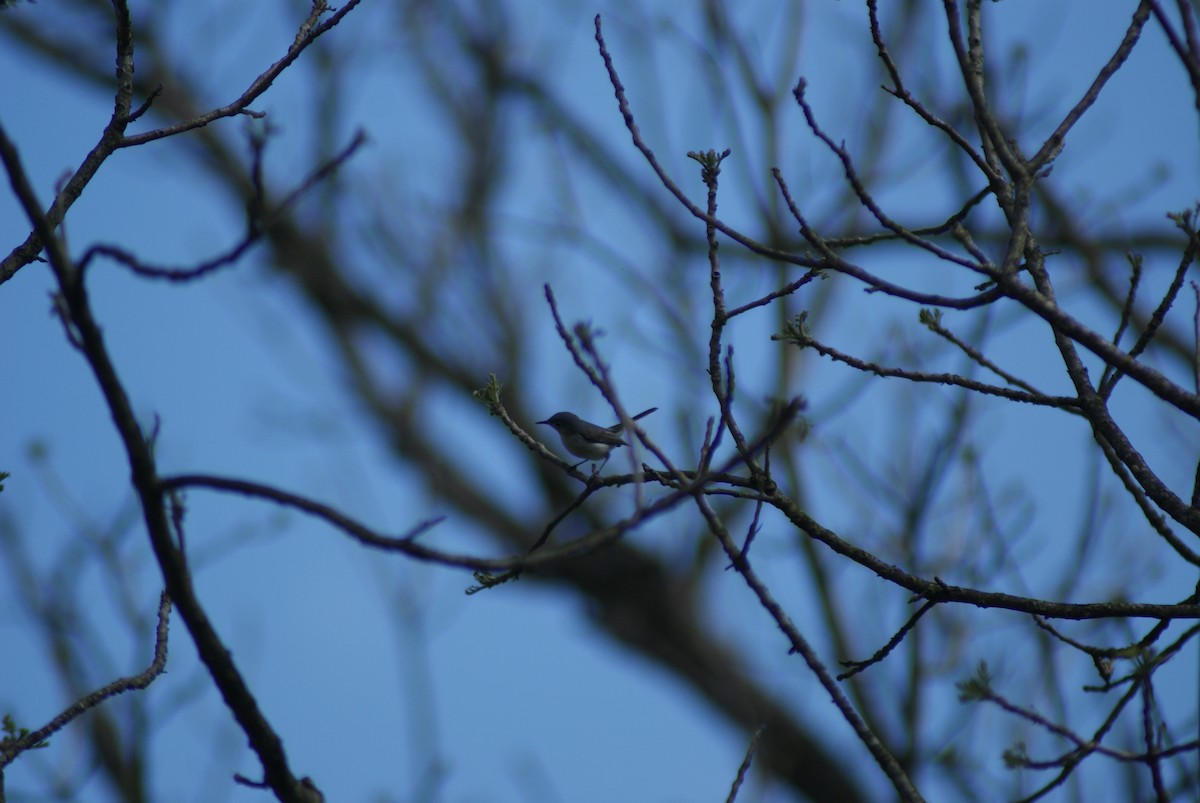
(606, 436)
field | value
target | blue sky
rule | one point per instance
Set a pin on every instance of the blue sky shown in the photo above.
(513, 693)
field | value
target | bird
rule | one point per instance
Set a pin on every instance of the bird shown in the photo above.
(587, 440)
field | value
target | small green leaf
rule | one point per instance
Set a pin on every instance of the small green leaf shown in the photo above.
(487, 580)
(977, 687)
(489, 394)
(1016, 757)
(710, 162)
(796, 331)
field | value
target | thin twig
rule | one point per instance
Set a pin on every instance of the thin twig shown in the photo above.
(1054, 143)
(308, 33)
(893, 642)
(81, 706)
(745, 767)
(1065, 403)
(799, 645)
(255, 230)
(1160, 312)
(980, 359)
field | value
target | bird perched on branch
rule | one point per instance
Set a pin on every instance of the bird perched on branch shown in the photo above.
(587, 440)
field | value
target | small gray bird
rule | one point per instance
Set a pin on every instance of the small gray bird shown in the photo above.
(585, 439)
